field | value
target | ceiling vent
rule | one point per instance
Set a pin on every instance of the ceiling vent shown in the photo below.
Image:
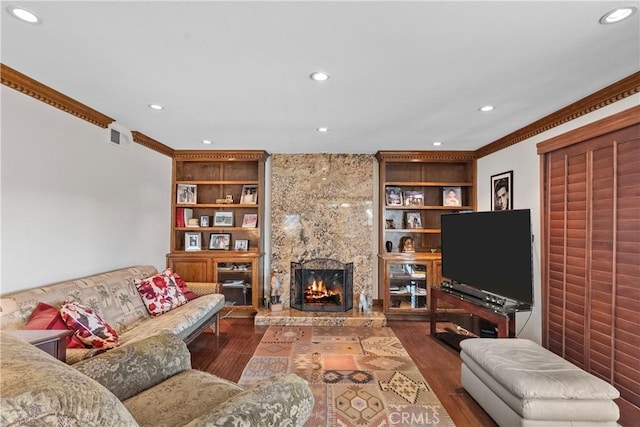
(119, 135)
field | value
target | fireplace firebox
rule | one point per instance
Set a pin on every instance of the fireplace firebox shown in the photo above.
(321, 285)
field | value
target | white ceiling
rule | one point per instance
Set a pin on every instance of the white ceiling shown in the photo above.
(403, 74)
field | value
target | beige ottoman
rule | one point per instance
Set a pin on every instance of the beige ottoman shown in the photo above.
(519, 383)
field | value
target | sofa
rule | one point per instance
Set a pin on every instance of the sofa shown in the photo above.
(114, 297)
(520, 383)
(148, 382)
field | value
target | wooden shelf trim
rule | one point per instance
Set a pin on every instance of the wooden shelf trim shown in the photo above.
(425, 156)
(220, 155)
(413, 230)
(444, 208)
(254, 229)
(217, 205)
(146, 141)
(219, 182)
(427, 184)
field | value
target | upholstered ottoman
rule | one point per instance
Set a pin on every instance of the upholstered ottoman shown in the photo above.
(519, 383)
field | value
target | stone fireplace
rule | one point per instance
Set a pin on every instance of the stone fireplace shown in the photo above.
(321, 285)
(322, 208)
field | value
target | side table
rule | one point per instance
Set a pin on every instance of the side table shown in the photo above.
(52, 342)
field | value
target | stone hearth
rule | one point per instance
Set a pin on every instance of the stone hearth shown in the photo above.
(293, 317)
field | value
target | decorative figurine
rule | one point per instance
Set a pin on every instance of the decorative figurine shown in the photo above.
(276, 304)
(406, 244)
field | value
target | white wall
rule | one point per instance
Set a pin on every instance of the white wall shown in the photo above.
(73, 204)
(522, 158)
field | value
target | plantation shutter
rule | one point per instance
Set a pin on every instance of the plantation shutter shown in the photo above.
(591, 255)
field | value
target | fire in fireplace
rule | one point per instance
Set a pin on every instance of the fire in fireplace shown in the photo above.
(321, 285)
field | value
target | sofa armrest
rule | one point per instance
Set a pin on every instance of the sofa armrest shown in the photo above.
(136, 366)
(282, 399)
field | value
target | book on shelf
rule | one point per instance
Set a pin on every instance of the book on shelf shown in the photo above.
(183, 215)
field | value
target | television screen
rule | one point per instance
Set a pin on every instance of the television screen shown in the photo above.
(490, 251)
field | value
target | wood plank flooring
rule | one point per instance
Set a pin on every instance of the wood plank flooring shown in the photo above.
(227, 355)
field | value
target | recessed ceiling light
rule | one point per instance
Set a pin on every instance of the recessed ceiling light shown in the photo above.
(23, 14)
(486, 108)
(319, 76)
(437, 143)
(206, 141)
(323, 129)
(617, 15)
(156, 107)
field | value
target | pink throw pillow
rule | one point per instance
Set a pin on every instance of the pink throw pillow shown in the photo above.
(48, 317)
(88, 326)
(160, 294)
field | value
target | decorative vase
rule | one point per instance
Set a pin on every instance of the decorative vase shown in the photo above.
(388, 245)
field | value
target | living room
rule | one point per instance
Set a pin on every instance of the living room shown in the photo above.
(73, 205)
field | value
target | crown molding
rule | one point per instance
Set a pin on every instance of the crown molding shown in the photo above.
(24, 84)
(146, 141)
(610, 94)
(221, 155)
(425, 156)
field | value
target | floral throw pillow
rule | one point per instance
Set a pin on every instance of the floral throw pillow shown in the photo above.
(88, 326)
(160, 294)
(189, 295)
(46, 316)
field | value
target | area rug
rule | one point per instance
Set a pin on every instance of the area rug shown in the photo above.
(359, 376)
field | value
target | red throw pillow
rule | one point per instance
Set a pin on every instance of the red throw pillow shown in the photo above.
(181, 284)
(160, 294)
(46, 316)
(88, 326)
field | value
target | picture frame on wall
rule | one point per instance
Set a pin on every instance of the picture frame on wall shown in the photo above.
(413, 220)
(502, 191)
(241, 245)
(192, 241)
(219, 241)
(187, 194)
(394, 196)
(451, 196)
(223, 219)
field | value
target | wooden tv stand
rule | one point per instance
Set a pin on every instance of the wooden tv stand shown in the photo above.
(506, 323)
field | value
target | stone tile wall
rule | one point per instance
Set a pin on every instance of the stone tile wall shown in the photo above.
(322, 207)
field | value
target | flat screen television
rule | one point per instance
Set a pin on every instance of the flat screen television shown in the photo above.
(490, 251)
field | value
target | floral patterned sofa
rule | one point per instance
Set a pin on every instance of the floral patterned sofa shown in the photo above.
(147, 382)
(114, 297)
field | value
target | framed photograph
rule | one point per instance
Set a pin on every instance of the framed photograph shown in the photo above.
(394, 196)
(223, 219)
(451, 196)
(249, 195)
(250, 221)
(241, 245)
(502, 191)
(187, 194)
(413, 198)
(389, 224)
(219, 241)
(413, 220)
(204, 220)
(192, 241)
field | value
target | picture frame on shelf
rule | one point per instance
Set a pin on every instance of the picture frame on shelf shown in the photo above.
(192, 241)
(502, 191)
(389, 224)
(249, 195)
(413, 198)
(250, 221)
(241, 245)
(187, 194)
(219, 241)
(451, 196)
(223, 219)
(204, 220)
(412, 220)
(394, 196)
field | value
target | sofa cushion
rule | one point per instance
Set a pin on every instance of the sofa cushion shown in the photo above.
(160, 294)
(46, 316)
(189, 295)
(88, 326)
(54, 393)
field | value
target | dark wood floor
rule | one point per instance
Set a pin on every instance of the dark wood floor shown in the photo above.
(227, 355)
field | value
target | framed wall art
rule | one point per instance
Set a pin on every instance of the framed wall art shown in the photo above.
(502, 191)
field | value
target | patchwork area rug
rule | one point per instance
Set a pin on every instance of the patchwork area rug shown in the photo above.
(359, 376)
